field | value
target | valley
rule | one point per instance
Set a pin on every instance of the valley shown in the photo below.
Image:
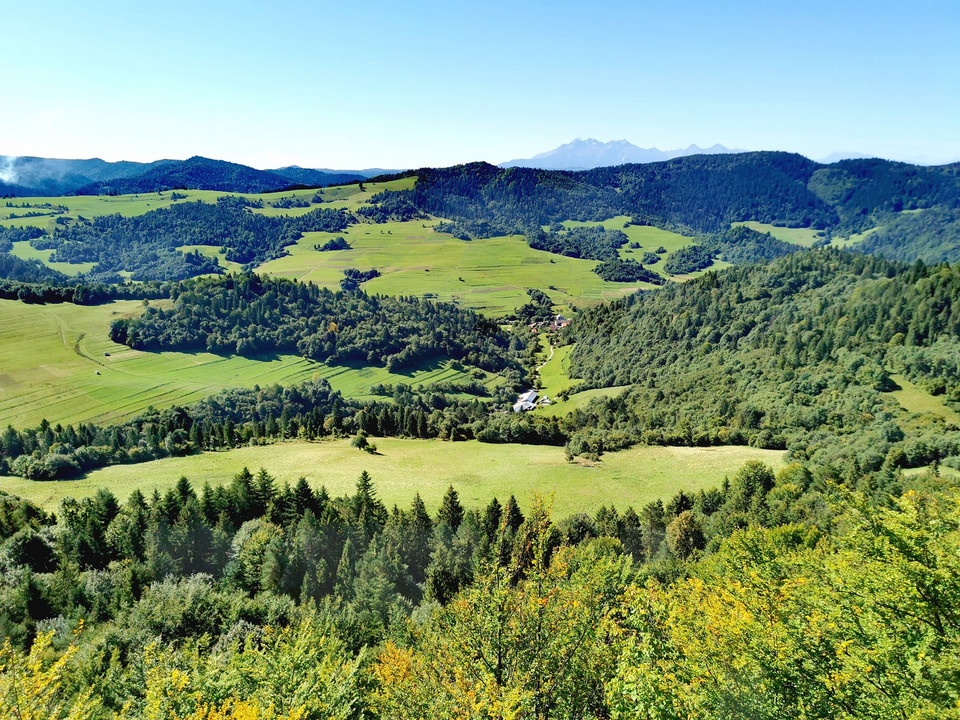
(245, 428)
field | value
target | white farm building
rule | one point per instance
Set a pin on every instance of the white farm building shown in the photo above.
(527, 401)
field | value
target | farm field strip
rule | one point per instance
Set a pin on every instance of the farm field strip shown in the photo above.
(57, 362)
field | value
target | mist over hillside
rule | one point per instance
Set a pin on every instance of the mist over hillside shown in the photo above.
(37, 176)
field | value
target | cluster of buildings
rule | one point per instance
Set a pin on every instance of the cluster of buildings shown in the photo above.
(530, 400)
(557, 322)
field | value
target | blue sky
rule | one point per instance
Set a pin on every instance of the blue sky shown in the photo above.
(392, 84)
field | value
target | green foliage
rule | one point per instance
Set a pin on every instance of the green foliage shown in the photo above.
(595, 243)
(796, 354)
(627, 271)
(389, 207)
(250, 314)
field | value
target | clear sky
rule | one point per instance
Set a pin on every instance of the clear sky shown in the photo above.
(356, 84)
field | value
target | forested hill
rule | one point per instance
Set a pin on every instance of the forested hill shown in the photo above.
(196, 173)
(702, 192)
(250, 314)
(794, 354)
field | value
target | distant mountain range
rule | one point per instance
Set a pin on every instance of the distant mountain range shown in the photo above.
(588, 154)
(24, 176)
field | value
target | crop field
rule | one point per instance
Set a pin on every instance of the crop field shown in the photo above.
(401, 468)
(57, 362)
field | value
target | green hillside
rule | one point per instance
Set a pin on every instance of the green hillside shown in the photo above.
(58, 362)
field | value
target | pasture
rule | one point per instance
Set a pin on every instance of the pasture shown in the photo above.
(402, 468)
(554, 378)
(490, 275)
(798, 236)
(58, 362)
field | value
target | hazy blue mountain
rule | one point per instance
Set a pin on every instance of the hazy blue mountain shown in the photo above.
(366, 172)
(23, 175)
(588, 154)
(196, 173)
(310, 176)
(842, 155)
(56, 176)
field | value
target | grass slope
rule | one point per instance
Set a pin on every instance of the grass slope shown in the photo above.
(555, 377)
(915, 399)
(478, 471)
(50, 356)
(490, 275)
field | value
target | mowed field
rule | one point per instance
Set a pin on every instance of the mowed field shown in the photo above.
(402, 468)
(58, 362)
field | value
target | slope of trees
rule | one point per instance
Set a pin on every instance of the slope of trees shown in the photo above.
(771, 596)
(796, 355)
(930, 235)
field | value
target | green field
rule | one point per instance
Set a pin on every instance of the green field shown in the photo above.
(554, 372)
(57, 362)
(798, 236)
(24, 250)
(490, 275)
(555, 377)
(478, 471)
(915, 399)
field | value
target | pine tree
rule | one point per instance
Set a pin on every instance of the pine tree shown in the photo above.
(451, 511)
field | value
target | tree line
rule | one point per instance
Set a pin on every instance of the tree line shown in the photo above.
(778, 594)
(250, 314)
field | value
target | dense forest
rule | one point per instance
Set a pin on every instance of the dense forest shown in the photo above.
(145, 245)
(250, 314)
(774, 595)
(702, 193)
(796, 354)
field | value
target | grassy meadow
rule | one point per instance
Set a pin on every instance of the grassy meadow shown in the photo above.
(555, 377)
(57, 362)
(915, 399)
(404, 467)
